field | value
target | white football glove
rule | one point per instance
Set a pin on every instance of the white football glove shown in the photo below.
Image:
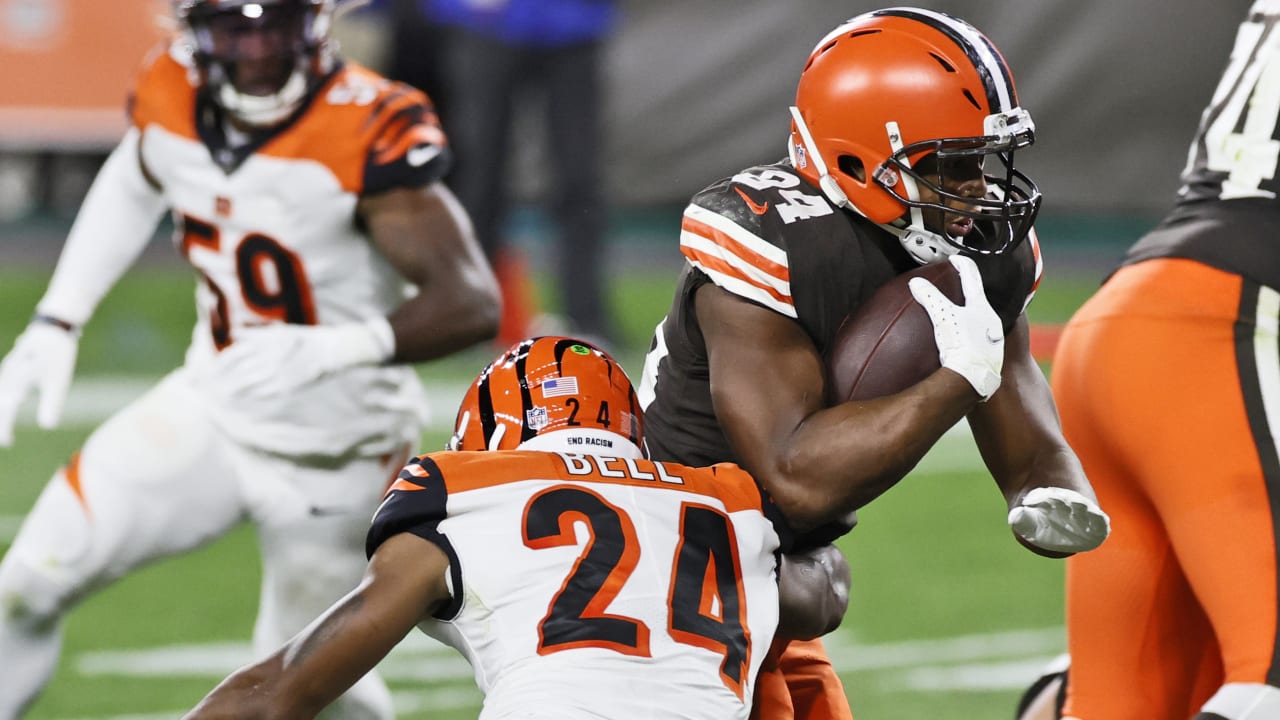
(970, 337)
(274, 360)
(1060, 520)
(43, 358)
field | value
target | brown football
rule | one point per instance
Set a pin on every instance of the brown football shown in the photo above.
(886, 345)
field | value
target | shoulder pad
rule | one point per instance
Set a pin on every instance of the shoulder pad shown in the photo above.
(738, 231)
(164, 91)
(415, 502)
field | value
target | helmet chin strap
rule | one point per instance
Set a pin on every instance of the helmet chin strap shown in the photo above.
(922, 244)
(264, 110)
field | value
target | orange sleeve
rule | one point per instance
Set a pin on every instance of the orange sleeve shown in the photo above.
(163, 94)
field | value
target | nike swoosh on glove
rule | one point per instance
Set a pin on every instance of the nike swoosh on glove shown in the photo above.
(970, 337)
(43, 359)
(1060, 520)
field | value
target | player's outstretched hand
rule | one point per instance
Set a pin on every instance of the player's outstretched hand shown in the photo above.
(43, 358)
(275, 360)
(1060, 521)
(970, 337)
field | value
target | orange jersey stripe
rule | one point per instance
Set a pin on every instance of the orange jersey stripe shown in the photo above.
(731, 245)
(72, 473)
(711, 262)
(164, 95)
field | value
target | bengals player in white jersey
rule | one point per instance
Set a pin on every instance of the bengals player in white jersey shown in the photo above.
(901, 152)
(578, 578)
(306, 196)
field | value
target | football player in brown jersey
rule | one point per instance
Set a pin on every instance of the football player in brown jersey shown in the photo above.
(1168, 380)
(305, 193)
(901, 153)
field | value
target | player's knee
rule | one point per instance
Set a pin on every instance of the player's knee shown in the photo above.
(1242, 701)
(29, 597)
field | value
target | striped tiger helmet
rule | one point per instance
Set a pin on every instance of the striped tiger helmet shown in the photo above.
(554, 394)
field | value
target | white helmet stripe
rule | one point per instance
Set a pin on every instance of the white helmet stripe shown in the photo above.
(986, 59)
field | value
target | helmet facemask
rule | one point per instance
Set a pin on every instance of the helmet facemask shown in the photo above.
(259, 60)
(891, 89)
(1000, 219)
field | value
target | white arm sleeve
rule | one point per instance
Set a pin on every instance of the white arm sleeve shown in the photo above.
(117, 219)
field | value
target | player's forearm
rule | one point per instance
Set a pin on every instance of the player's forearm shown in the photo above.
(844, 457)
(254, 693)
(437, 323)
(114, 224)
(426, 235)
(1019, 434)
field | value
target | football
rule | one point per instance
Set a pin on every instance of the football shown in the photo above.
(886, 345)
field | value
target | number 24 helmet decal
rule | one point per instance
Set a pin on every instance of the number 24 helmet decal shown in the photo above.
(552, 394)
(888, 89)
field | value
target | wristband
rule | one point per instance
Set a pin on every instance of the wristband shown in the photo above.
(56, 322)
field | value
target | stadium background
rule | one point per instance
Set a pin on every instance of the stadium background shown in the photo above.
(949, 616)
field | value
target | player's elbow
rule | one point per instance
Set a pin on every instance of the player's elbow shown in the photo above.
(479, 311)
(806, 504)
(803, 508)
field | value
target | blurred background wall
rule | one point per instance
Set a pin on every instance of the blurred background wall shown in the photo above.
(1115, 87)
(699, 89)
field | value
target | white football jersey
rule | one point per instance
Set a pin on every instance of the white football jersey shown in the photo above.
(597, 587)
(271, 231)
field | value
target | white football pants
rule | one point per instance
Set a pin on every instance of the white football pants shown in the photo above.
(158, 479)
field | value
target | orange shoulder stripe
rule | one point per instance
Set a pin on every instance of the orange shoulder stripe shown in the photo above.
(736, 247)
(346, 122)
(711, 262)
(163, 95)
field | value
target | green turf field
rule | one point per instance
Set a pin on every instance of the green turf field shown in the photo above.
(949, 615)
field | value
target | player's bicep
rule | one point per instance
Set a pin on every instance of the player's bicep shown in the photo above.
(423, 232)
(766, 375)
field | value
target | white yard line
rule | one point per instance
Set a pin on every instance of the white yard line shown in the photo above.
(91, 400)
(978, 662)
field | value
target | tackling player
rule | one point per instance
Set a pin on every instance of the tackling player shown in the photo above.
(901, 153)
(305, 194)
(578, 578)
(1168, 380)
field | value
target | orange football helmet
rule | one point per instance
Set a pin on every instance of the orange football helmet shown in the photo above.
(888, 88)
(551, 394)
(291, 35)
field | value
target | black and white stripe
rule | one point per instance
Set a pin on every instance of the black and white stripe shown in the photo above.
(997, 80)
(1258, 357)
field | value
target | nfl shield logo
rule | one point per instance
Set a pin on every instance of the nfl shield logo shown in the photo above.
(536, 418)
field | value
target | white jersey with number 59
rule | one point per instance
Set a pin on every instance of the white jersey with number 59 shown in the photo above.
(271, 230)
